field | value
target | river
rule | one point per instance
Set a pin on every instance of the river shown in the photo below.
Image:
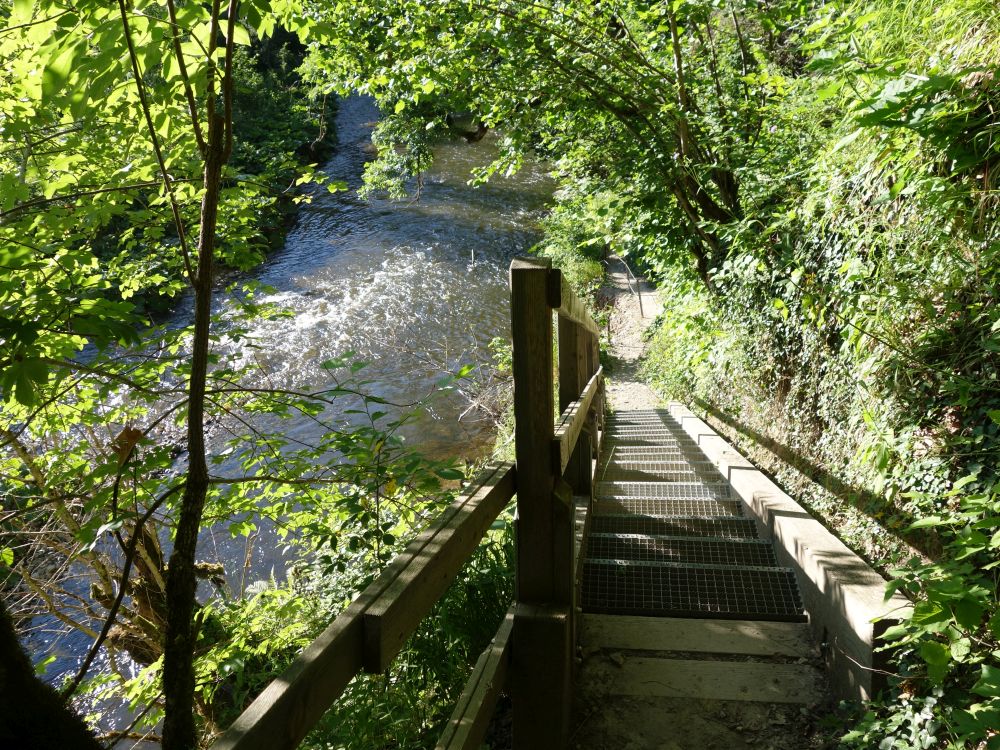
(416, 287)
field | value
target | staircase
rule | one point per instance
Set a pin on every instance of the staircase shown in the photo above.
(684, 602)
(667, 538)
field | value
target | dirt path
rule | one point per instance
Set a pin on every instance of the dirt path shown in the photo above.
(629, 320)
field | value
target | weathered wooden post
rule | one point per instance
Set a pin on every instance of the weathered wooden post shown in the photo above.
(542, 647)
(575, 370)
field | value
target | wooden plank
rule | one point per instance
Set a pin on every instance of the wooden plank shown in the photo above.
(575, 370)
(541, 676)
(531, 333)
(430, 564)
(572, 308)
(471, 717)
(756, 682)
(751, 637)
(571, 423)
(573, 374)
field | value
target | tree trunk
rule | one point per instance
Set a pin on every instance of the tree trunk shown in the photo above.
(179, 731)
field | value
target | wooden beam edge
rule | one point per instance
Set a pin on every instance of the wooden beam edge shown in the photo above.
(571, 422)
(467, 725)
(572, 308)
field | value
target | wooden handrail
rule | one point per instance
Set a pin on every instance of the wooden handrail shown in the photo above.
(571, 423)
(426, 575)
(292, 704)
(475, 706)
(572, 308)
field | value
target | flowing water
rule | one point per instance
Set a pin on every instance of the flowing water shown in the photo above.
(416, 287)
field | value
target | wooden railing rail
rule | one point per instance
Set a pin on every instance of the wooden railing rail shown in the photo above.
(574, 419)
(371, 630)
(478, 701)
(533, 653)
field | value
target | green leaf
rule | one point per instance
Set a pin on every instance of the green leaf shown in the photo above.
(989, 682)
(935, 653)
(961, 648)
(24, 389)
(895, 632)
(7, 556)
(924, 523)
(43, 665)
(847, 140)
(969, 614)
(829, 91)
(241, 35)
(22, 11)
(57, 72)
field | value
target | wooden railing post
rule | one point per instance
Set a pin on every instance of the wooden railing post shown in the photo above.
(541, 647)
(575, 370)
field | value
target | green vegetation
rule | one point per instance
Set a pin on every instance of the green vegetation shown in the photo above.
(814, 183)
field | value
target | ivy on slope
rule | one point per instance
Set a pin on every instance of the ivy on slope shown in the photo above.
(859, 331)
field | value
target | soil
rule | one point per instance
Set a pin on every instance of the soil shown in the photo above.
(630, 313)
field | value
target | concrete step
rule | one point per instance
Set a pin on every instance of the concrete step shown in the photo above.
(693, 635)
(709, 526)
(644, 676)
(681, 549)
(687, 590)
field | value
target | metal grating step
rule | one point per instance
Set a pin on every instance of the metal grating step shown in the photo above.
(641, 430)
(642, 414)
(651, 452)
(665, 490)
(663, 507)
(616, 452)
(683, 590)
(627, 523)
(624, 470)
(651, 441)
(653, 465)
(705, 550)
(616, 474)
